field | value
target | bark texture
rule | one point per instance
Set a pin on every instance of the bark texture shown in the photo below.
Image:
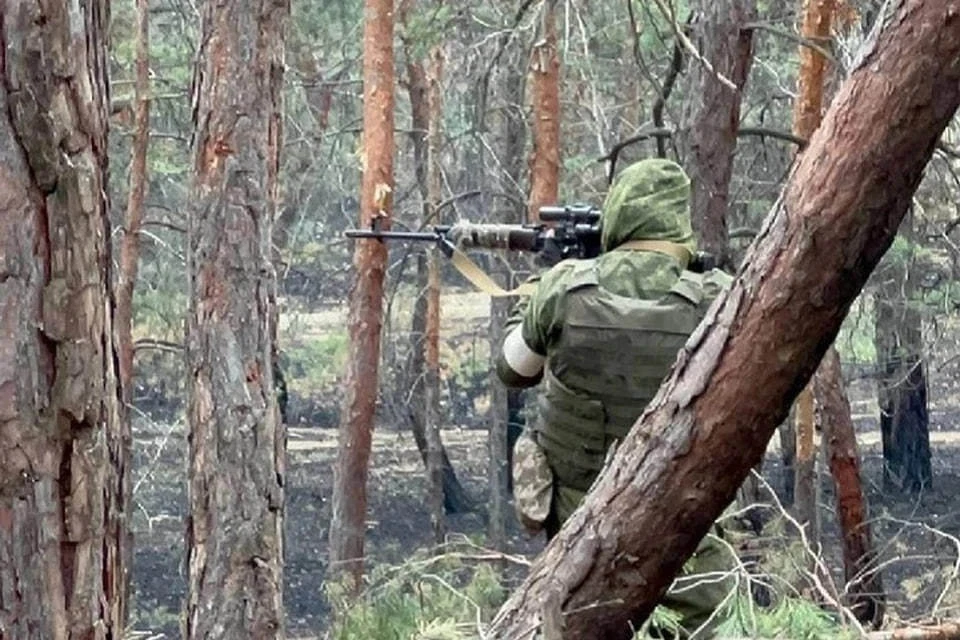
(837, 215)
(236, 470)
(64, 443)
(432, 382)
(130, 243)
(348, 524)
(817, 16)
(455, 497)
(711, 114)
(545, 82)
(508, 130)
(865, 594)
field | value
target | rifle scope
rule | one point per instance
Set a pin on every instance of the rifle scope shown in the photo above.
(576, 214)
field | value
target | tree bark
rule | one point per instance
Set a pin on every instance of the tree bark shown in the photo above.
(432, 381)
(817, 16)
(708, 138)
(711, 115)
(348, 524)
(865, 585)
(455, 497)
(805, 486)
(837, 215)
(64, 439)
(130, 244)
(509, 138)
(236, 471)
(545, 160)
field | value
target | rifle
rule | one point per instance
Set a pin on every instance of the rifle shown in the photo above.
(574, 233)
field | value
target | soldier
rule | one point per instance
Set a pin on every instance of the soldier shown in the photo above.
(601, 334)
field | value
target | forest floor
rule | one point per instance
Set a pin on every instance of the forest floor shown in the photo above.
(914, 535)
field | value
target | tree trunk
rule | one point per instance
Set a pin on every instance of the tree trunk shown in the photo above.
(865, 585)
(545, 160)
(817, 16)
(64, 443)
(498, 471)
(837, 215)
(432, 380)
(130, 244)
(711, 115)
(902, 388)
(805, 484)
(348, 524)
(455, 497)
(509, 137)
(236, 472)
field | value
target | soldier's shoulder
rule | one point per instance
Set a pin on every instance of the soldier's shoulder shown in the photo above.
(566, 274)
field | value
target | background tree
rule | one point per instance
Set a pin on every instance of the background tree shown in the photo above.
(237, 465)
(902, 387)
(716, 77)
(133, 223)
(348, 525)
(816, 21)
(545, 98)
(64, 444)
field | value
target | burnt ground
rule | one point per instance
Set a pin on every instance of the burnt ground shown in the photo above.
(918, 561)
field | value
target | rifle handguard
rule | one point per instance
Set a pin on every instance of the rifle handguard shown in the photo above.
(467, 235)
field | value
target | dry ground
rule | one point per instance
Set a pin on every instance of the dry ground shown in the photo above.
(921, 562)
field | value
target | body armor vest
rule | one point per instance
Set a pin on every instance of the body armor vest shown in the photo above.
(612, 356)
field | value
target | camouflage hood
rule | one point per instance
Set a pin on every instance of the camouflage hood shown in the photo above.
(650, 200)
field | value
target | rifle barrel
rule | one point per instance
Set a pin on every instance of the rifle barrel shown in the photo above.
(392, 235)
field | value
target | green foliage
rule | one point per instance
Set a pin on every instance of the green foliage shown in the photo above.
(793, 618)
(439, 598)
(159, 310)
(855, 342)
(316, 363)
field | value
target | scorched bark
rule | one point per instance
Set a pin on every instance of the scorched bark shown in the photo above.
(236, 472)
(64, 479)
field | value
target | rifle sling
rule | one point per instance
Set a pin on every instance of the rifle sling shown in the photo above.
(469, 269)
(672, 249)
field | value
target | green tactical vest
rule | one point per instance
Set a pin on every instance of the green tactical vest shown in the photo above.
(612, 356)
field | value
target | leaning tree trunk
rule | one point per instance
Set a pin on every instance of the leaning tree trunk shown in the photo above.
(902, 387)
(675, 472)
(711, 114)
(236, 471)
(349, 512)
(64, 443)
(708, 139)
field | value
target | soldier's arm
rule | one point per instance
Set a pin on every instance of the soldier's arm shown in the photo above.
(518, 365)
(524, 351)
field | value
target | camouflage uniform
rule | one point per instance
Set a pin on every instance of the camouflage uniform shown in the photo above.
(608, 330)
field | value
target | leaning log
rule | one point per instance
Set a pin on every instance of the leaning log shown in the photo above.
(759, 344)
